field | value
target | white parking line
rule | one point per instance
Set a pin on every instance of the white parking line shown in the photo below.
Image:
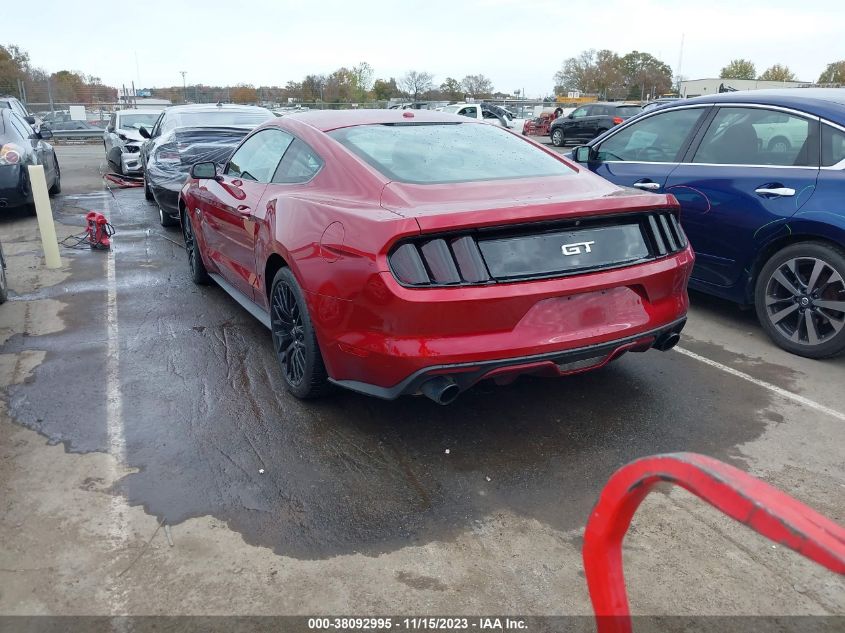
(765, 385)
(118, 508)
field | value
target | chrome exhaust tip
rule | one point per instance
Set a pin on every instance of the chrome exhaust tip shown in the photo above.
(667, 341)
(442, 390)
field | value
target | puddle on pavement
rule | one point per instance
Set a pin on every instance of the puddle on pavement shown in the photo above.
(204, 411)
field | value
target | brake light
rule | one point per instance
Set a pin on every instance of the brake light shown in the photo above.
(439, 262)
(617, 120)
(10, 154)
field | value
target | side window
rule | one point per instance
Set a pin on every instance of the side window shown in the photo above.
(21, 126)
(12, 129)
(599, 110)
(17, 107)
(579, 112)
(756, 136)
(259, 155)
(469, 111)
(833, 146)
(655, 139)
(299, 164)
(157, 126)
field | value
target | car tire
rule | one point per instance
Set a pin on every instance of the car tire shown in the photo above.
(56, 189)
(779, 145)
(558, 139)
(148, 193)
(797, 296)
(199, 273)
(294, 341)
(165, 219)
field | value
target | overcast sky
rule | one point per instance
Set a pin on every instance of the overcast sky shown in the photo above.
(517, 43)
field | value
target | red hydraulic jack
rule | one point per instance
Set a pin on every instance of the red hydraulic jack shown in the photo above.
(752, 502)
(98, 231)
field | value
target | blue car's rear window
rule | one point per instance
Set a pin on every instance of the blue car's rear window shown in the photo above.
(448, 152)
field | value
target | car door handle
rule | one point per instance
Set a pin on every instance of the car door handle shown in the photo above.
(244, 210)
(648, 186)
(775, 191)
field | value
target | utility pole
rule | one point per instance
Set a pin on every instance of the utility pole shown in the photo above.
(184, 85)
(50, 96)
(680, 63)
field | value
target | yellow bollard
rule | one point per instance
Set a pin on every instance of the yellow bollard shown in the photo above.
(49, 242)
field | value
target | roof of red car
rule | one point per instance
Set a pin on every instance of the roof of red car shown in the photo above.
(326, 120)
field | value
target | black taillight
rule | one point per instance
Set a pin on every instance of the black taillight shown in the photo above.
(408, 266)
(439, 261)
(469, 260)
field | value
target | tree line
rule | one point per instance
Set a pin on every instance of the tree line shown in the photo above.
(345, 85)
(834, 73)
(19, 78)
(635, 75)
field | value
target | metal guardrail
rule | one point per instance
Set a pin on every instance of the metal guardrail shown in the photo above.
(77, 134)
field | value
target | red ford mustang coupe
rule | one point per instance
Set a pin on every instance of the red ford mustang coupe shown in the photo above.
(405, 252)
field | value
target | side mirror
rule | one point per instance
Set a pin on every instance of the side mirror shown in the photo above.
(583, 154)
(571, 115)
(144, 132)
(110, 128)
(29, 119)
(45, 134)
(204, 170)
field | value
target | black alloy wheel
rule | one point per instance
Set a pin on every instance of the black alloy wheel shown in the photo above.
(199, 274)
(294, 340)
(800, 299)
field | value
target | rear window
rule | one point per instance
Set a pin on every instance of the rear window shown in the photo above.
(223, 118)
(627, 110)
(448, 152)
(137, 121)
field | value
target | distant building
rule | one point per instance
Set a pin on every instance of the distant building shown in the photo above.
(700, 87)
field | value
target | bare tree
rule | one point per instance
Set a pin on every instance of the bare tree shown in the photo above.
(477, 86)
(416, 83)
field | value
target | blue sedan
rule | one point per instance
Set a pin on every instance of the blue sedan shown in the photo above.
(760, 177)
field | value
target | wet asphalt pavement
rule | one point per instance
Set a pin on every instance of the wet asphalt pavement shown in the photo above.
(204, 410)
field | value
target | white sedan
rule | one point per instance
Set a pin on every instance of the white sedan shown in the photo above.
(122, 140)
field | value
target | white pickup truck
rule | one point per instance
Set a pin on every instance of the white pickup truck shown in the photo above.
(488, 113)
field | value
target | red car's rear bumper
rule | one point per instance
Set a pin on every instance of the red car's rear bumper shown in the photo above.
(393, 339)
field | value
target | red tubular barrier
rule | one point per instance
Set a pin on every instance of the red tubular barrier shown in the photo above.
(752, 502)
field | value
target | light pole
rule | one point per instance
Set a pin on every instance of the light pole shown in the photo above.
(184, 85)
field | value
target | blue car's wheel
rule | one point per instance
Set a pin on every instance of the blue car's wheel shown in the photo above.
(800, 299)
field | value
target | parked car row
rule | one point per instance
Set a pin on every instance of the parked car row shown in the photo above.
(399, 252)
